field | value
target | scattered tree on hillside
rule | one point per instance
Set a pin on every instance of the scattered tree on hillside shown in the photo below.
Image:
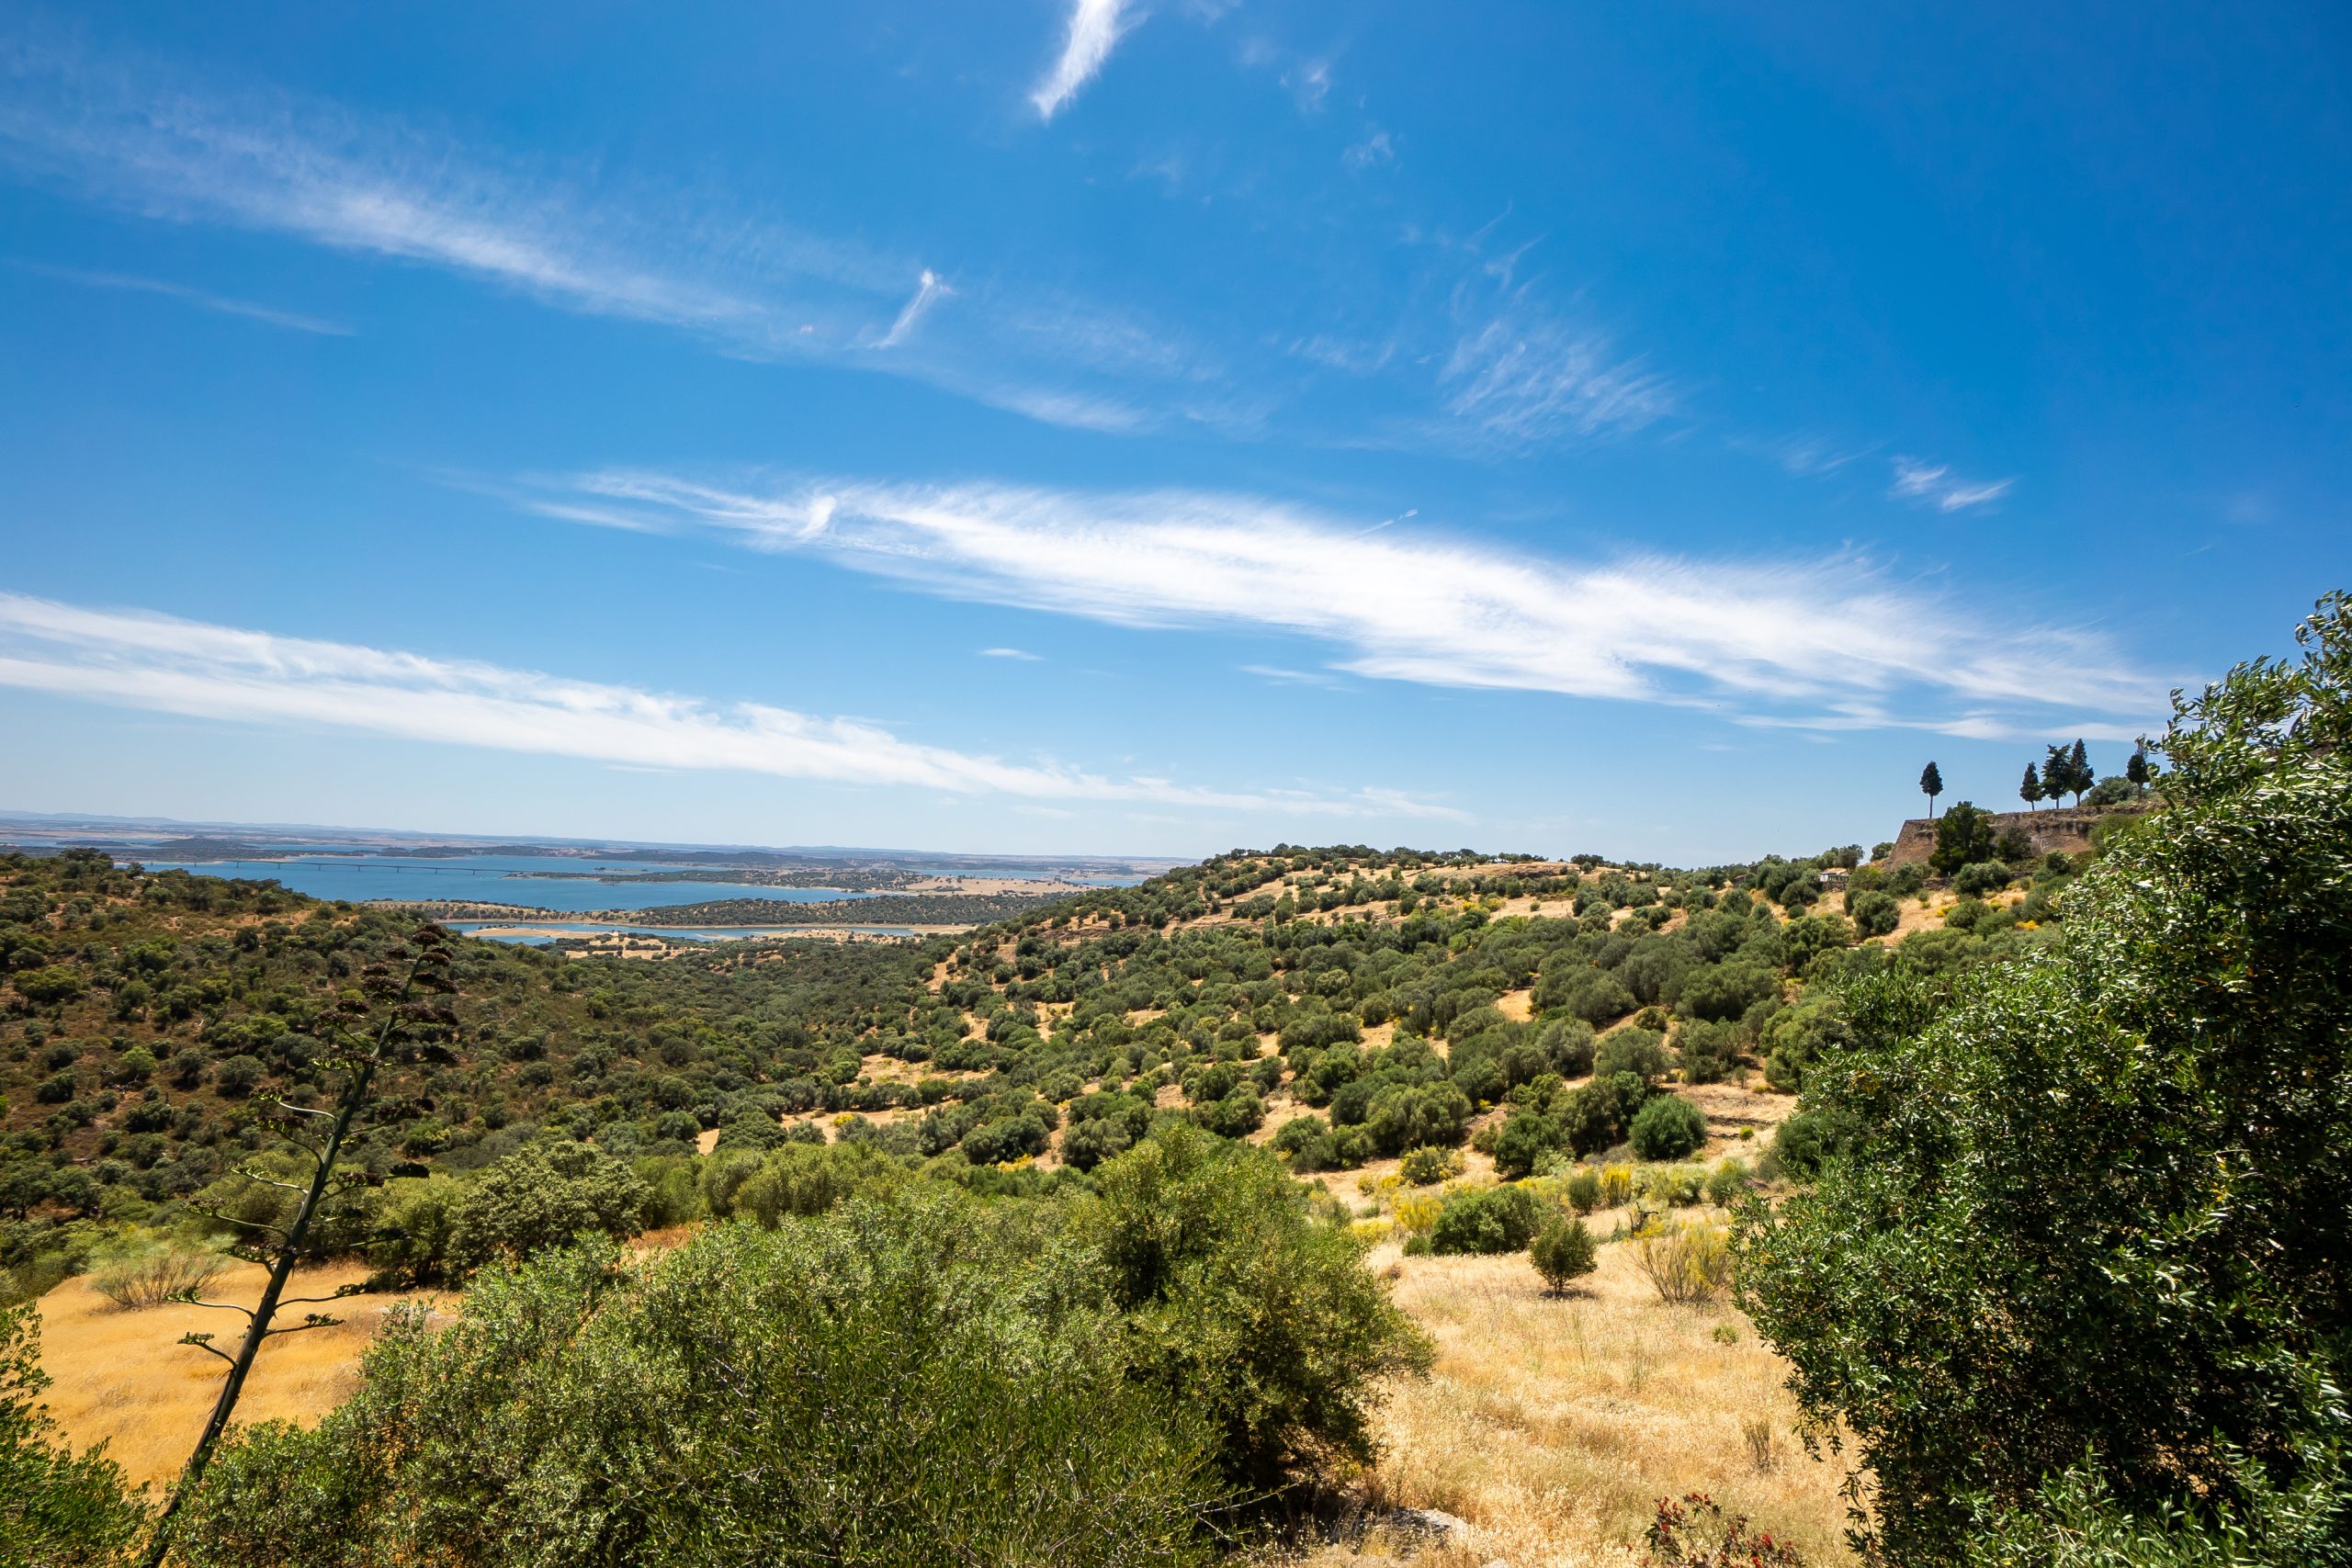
(1964, 837)
(2032, 792)
(1931, 784)
(416, 1019)
(2067, 770)
(1562, 1252)
(2135, 771)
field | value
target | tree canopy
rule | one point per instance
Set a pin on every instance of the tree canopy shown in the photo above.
(2085, 1243)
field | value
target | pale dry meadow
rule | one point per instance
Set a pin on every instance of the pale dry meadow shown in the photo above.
(122, 1380)
(1553, 1425)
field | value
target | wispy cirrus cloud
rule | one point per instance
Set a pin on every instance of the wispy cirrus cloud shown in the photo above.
(1094, 27)
(1376, 148)
(161, 663)
(1801, 456)
(136, 136)
(1782, 639)
(292, 320)
(1934, 484)
(1531, 379)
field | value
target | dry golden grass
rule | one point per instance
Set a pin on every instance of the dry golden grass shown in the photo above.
(1554, 1424)
(121, 1380)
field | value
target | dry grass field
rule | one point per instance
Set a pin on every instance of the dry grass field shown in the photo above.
(1554, 1424)
(121, 1380)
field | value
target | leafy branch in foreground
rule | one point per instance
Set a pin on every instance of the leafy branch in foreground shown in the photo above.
(2083, 1270)
(416, 1023)
(56, 1507)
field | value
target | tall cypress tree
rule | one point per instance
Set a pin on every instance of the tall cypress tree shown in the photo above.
(2078, 772)
(2057, 770)
(2135, 771)
(1931, 784)
(2032, 792)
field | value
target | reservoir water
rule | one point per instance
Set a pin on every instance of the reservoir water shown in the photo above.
(489, 879)
(543, 933)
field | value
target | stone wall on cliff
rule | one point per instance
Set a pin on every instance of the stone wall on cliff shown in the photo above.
(2066, 829)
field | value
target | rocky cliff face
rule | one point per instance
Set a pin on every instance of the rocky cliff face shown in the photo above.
(2066, 829)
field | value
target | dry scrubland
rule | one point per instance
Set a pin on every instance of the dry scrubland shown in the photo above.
(1552, 1424)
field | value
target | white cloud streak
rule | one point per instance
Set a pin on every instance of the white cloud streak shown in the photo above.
(161, 663)
(927, 293)
(1094, 27)
(1741, 635)
(1934, 484)
(291, 321)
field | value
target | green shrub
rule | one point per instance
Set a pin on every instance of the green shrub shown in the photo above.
(996, 1143)
(1236, 1115)
(913, 1379)
(1487, 1220)
(1967, 914)
(1583, 1190)
(1427, 1167)
(1980, 877)
(1563, 1251)
(1668, 1127)
(1631, 1049)
(1726, 1182)
(1874, 913)
(1405, 1116)
(1677, 1186)
(1708, 1052)
(57, 1508)
(1245, 1307)
(1726, 990)
(540, 1198)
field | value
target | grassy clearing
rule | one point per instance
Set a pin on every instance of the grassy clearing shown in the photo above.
(1553, 1425)
(121, 1380)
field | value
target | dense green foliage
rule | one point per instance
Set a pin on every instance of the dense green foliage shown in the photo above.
(2081, 1243)
(912, 1376)
(1487, 1219)
(57, 1508)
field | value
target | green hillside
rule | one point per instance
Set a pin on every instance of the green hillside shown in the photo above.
(153, 1018)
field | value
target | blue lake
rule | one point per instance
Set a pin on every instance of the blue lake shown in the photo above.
(489, 879)
(538, 935)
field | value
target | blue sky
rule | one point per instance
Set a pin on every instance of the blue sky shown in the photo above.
(1151, 429)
